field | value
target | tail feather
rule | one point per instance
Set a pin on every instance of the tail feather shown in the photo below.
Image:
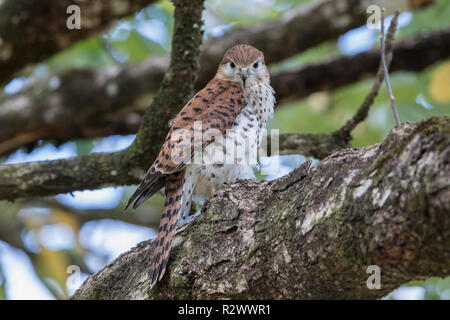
(169, 219)
(150, 191)
(152, 183)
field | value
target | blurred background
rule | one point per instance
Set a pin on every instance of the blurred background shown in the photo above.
(41, 238)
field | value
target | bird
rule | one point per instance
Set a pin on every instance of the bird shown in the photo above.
(212, 141)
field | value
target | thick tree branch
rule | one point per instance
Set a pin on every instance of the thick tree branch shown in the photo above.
(93, 171)
(32, 31)
(114, 100)
(311, 234)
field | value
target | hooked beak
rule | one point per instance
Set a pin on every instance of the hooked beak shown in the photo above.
(244, 75)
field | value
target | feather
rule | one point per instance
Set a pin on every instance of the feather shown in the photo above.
(215, 107)
(167, 225)
(151, 184)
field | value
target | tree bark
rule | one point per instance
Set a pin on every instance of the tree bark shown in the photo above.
(114, 100)
(21, 20)
(311, 234)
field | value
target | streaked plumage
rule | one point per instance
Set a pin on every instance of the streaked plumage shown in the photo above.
(239, 98)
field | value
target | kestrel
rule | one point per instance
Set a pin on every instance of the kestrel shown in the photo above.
(224, 122)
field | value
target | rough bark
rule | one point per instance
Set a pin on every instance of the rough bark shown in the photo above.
(311, 234)
(114, 100)
(32, 31)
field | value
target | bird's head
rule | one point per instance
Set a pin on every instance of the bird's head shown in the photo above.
(243, 64)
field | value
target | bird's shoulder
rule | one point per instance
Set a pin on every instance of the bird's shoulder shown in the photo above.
(214, 107)
(217, 98)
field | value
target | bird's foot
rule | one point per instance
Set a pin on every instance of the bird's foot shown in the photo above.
(185, 220)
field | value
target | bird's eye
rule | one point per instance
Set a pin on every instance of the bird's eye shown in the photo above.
(256, 65)
(232, 65)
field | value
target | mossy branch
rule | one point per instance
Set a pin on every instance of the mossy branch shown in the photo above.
(311, 234)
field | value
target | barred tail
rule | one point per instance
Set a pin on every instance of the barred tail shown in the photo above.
(167, 225)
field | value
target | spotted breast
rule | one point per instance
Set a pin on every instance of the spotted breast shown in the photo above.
(233, 156)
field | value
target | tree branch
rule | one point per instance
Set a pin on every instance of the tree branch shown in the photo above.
(431, 47)
(311, 234)
(97, 170)
(114, 100)
(317, 145)
(61, 176)
(296, 31)
(20, 20)
(386, 71)
(45, 178)
(344, 132)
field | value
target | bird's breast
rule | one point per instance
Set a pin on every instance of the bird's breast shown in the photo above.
(233, 156)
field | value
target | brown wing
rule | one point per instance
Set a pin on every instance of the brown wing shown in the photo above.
(217, 106)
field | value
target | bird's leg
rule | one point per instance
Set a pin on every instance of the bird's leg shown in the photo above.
(211, 189)
(193, 212)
